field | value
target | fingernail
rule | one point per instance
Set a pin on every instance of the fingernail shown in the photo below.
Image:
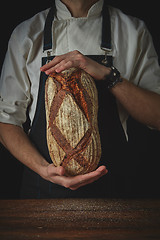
(57, 70)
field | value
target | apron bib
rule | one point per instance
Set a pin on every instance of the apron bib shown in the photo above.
(113, 141)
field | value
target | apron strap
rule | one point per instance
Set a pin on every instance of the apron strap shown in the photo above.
(106, 29)
(48, 28)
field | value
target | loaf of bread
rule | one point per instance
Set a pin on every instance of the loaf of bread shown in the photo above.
(71, 104)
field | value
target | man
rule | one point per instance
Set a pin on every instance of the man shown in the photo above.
(76, 30)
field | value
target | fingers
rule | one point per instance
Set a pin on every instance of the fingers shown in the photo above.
(59, 67)
(63, 62)
(78, 181)
(78, 60)
(63, 65)
(52, 63)
(89, 178)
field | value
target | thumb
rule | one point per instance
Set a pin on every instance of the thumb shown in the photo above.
(59, 171)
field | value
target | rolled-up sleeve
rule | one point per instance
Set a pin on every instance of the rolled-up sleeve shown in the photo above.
(135, 56)
(146, 71)
(14, 84)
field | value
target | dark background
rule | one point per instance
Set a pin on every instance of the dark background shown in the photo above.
(147, 142)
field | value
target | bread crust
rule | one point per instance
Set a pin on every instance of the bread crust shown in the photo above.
(71, 104)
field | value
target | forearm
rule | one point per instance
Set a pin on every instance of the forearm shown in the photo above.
(18, 143)
(141, 104)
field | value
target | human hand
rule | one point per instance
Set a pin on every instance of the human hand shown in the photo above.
(78, 60)
(57, 175)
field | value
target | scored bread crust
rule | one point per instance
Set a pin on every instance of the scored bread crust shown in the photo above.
(71, 104)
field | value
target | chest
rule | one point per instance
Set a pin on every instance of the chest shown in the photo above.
(81, 34)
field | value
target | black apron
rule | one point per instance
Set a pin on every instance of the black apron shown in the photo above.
(112, 135)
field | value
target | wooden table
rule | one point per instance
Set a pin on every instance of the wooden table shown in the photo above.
(80, 219)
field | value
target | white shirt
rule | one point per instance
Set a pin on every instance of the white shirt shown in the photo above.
(133, 52)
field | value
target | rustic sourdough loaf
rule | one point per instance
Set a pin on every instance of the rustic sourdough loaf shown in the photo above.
(71, 104)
